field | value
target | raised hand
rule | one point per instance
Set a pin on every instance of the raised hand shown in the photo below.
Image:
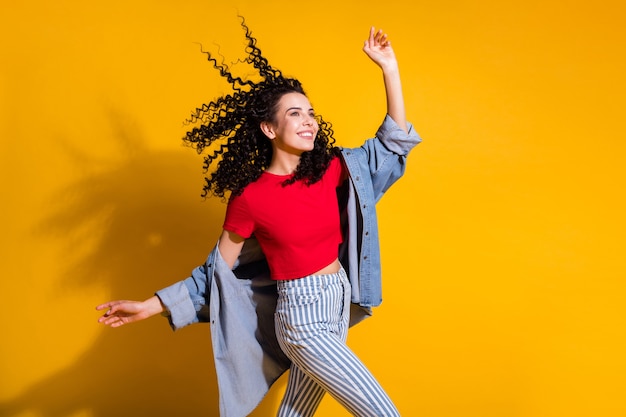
(378, 48)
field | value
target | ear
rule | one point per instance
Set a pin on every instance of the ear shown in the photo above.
(268, 130)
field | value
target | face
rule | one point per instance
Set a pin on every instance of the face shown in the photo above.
(294, 127)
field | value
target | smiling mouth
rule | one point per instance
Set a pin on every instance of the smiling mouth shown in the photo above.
(306, 135)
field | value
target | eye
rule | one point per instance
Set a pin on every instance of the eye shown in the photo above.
(295, 113)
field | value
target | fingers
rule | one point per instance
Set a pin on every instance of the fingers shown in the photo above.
(377, 38)
(114, 318)
(112, 321)
(372, 34)
(110, 304)
(380, 37)
(115, 315)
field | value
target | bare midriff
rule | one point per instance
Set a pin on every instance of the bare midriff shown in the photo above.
(331, 268)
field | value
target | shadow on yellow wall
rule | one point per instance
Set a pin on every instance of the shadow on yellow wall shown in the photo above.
(135, 210)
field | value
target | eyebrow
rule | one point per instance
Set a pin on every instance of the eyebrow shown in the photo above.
(296, 108)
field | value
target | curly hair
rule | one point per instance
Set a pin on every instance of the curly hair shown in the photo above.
(232, 123)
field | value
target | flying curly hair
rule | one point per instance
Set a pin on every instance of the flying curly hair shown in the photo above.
(232, 124)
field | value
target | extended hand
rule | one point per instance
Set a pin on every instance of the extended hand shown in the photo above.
(121, 312)
(379, 49)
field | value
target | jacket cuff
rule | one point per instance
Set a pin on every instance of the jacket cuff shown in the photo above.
(180, 308)
(395, 138)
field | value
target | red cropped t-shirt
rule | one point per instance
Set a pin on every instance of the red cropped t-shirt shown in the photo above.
(296, 225)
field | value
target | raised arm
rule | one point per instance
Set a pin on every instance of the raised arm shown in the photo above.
(378, 48)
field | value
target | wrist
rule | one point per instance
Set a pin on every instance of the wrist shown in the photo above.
(390, 69)
(154, 305)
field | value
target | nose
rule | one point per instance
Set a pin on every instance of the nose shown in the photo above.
(309, 120)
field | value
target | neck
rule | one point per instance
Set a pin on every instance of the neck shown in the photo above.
(283, 163)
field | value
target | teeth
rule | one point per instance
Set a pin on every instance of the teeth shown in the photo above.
(308, 134)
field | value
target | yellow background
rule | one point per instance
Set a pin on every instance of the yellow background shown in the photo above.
(502, 246)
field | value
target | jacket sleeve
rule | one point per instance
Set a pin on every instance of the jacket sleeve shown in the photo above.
(186, 301)
(386, 154)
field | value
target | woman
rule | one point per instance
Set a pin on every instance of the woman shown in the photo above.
(309, 206)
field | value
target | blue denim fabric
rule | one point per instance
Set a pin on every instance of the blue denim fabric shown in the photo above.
(373, 168)
(240, 303)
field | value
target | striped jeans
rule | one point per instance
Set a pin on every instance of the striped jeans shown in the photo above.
(312, 318)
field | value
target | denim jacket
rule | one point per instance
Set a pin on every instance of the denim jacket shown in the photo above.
(239, 303)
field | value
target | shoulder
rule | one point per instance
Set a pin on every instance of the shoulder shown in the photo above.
(259, 188)
(335, 163)
(336, 168)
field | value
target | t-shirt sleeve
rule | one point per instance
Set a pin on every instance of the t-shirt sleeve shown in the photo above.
(238, 218)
